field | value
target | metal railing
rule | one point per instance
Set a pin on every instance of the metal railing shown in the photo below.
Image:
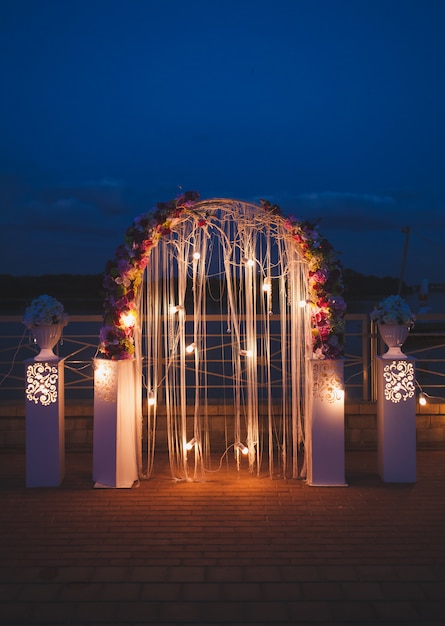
(78, 347)
(80, 341)
(426, 344)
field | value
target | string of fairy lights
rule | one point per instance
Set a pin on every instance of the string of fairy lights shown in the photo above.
(230, 259)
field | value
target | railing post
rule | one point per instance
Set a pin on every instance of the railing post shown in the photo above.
(373, 341)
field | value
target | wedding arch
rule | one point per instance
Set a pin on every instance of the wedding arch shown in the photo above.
(277, 286)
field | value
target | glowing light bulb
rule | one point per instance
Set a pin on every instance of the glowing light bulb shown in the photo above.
(340, 394)
(267, 286)
(242, 448)
(189, 445)
(303, 303)
(422, 398)
(196, 256)
(250, 262)
(248, 353)
(175, 308)
(190, 348)
(103, 372)
(151, 399)
(128, 319)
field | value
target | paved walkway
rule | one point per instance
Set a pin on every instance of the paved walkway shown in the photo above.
(236, 549)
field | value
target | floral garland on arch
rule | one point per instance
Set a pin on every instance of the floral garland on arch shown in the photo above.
(124, 273)
(325, 289)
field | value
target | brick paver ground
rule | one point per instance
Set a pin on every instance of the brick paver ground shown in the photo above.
(235, 549)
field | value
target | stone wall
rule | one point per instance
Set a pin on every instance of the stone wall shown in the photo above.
(360, 426)
(361, 429)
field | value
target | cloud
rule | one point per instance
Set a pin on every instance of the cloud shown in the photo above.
(351, 211)
(111, 197)
(88, 208)
(361, 212)
(79, 225)
(68, 216)
(339, 210)
(348, 197)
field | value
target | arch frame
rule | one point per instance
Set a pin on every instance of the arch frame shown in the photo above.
(124, 275)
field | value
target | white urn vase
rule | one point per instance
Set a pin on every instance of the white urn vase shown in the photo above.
(394, 335)
(46, 337)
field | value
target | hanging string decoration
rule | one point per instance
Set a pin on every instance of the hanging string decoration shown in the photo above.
(277, 284)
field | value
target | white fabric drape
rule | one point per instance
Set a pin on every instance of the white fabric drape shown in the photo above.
(240, 259)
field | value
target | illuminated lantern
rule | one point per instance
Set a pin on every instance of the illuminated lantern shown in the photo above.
(128, 319)
(396, 419)
(45, 426)
(326, 466)
(114, 437)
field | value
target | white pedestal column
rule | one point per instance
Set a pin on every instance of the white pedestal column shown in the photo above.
(115, 411)
(326, 462)
(396, 420)
(45, 427)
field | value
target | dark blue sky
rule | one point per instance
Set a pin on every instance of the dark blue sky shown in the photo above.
(333, 109)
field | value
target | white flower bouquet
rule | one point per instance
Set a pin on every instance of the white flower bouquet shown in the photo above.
(43, 311)
(393, 310)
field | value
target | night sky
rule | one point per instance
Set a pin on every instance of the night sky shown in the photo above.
(333, 109)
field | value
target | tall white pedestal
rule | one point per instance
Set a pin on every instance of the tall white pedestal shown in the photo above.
(115, 411)
(396, 420)
(45, 427)
(326, 466)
